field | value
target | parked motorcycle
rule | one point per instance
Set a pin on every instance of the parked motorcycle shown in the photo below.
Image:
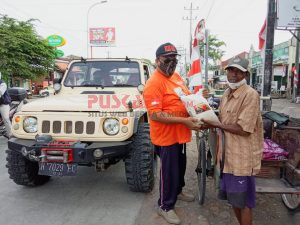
(17, 96)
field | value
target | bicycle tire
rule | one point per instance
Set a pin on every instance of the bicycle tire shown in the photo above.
(291, 204)
(201, 172)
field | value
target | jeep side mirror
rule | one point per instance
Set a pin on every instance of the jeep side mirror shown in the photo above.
(57, 85)
(141, 88)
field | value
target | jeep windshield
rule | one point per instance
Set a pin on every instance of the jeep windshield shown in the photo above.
(103, 74)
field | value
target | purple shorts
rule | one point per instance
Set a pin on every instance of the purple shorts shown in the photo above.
(238, 190)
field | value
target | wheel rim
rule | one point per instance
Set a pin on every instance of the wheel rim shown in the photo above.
(291, 201)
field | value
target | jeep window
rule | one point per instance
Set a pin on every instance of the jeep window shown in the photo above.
(103, 73)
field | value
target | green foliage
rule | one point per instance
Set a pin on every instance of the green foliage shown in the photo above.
(214, 48)
(22, 52)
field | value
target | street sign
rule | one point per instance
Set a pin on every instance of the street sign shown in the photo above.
(288, 14)
(56, 41)
(103, 36)
(59, 53)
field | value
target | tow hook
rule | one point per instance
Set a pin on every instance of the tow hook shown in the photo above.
(31, 154)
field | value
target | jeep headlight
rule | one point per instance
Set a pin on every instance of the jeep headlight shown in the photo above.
(30, 124)
(111, 126)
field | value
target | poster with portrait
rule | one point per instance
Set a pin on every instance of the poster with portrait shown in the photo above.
(103, 36)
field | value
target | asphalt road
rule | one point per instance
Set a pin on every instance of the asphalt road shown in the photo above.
(93, 198)
(90, 198)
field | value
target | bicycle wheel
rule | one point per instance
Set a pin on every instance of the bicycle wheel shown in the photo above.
(201, 171)
(291, 201)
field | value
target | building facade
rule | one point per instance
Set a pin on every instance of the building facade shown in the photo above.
(283, 61)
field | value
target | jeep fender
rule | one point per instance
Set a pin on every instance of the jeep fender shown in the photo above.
(139, 119)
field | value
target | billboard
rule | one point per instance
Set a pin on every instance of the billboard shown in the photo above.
(103, 36)
(56, 41)
(288, 13)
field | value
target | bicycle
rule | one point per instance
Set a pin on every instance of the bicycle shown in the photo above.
(205, 140)
(291, 201)
(205, 166)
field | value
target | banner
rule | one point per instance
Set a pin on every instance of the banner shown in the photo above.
(103, 36)
(195, 71)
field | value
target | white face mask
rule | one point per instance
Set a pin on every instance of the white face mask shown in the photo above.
(236, 85)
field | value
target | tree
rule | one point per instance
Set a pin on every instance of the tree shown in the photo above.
(214, 49)
(23, 53)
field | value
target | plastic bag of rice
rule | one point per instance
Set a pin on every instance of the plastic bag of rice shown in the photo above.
(197, 106)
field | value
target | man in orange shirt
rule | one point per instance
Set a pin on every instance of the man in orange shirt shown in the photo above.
(170, 129)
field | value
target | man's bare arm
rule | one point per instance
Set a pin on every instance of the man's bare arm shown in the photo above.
(234, 128)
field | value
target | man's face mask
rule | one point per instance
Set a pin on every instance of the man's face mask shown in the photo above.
(168, 65)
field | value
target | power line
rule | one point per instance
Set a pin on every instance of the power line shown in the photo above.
(203, 5)
(212, 5)
(47, 25)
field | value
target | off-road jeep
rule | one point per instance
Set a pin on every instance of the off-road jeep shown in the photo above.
(96, 118)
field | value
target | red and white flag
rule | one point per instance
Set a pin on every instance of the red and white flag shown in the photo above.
(195, 60)
(294, 71)
(195, 71)
(262, 36)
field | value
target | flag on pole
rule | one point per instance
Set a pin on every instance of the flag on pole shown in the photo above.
(294, 71)
(262, 36)
(195, 60)
(195, 71)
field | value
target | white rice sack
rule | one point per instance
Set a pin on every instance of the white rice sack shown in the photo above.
(197, 106)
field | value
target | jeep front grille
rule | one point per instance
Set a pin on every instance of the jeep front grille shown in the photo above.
(56, 127)
(90, 127)
(68, 127)
(78, 127)
(46, 126)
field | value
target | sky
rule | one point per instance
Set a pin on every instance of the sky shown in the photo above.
(142, 25)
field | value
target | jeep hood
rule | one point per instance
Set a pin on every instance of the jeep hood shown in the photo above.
(80, 103)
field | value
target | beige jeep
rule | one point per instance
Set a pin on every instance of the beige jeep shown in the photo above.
(96, 118)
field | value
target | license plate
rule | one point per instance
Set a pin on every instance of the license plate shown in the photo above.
(57, 169)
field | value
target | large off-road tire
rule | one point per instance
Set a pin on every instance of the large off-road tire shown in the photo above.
(23, 171)
(140, 161)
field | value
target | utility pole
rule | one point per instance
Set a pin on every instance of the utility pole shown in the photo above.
(182, 52)
(206, 57)
(296, 73)
(191, 18)
(268, 62)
